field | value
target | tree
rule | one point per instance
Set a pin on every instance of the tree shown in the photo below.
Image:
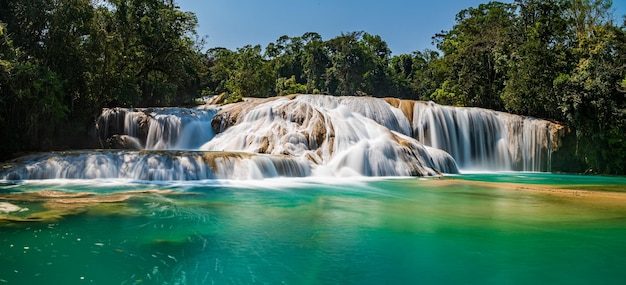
(349, 63)
(220, 63)
(590, 97)
(585, 15)
(250, 75)
(315, 61)
(429, 73)
(376, 79)
(401, 74)
(539, 55)
(476, 55)
(31, 102)
(69, 58)
(286, 57)
(287, 86)
(157, 47)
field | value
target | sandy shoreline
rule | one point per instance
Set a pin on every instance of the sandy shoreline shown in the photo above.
(607, 195)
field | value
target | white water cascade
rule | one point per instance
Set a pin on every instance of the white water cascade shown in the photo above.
(156, 128)
(326, 131)
(481, 139)
(300, 135)
(158, 166)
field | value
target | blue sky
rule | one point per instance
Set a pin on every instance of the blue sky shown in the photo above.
(405, 25)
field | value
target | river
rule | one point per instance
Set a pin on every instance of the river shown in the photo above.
(470, 229)
(310, 189)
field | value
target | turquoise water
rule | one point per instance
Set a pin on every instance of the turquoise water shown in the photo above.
(390, 231)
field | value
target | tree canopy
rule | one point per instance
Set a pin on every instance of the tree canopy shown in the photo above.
(63, 60)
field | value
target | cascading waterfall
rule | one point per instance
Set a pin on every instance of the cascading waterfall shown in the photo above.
(156, 128)
(325, 130)
(484, 139)
(155, 166)
(300, 135)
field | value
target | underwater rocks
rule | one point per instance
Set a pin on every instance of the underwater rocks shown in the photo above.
(6, 207)
(52, 205)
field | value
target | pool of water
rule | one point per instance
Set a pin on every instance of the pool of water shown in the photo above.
(447, 230)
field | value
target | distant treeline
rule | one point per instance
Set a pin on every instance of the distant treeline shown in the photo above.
(61, 61)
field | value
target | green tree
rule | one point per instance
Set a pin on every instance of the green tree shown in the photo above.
(539, 55)
(220, 63)
(429, 73)
(315, 61)
(160, 49)
(476, 55)
(401, 75)
(590, 98)
(31, 102)
(286, 57)
(287, 86)
(250, 75)
(81, 55)
(377, 79)
(349, 63)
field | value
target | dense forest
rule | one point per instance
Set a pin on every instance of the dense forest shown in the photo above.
(61, 61)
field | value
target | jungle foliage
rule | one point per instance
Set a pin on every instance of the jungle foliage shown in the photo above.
(61, 61)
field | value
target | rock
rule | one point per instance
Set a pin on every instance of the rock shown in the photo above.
(6, 207)
(61, 194)
(406, 106)
(124, 142)
(58, 204)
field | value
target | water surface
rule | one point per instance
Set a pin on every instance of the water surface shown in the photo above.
(370, 231)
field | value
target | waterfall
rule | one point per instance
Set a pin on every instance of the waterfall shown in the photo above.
(300, 135)
(484, 139)
(155, 166)
(333, 132)
(157, 128)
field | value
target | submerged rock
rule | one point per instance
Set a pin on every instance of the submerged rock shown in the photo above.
(54, 204)
(55, 194)
(6, 207)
